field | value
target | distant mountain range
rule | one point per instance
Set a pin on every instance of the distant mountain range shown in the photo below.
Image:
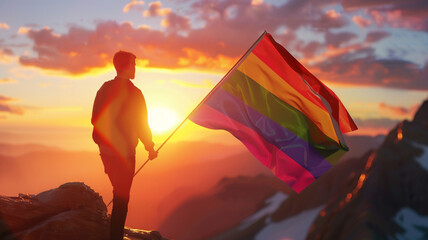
(183, 170)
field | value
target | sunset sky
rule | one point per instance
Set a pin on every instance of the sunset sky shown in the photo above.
(54, 56)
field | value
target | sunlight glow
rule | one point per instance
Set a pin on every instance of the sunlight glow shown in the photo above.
(162, 120)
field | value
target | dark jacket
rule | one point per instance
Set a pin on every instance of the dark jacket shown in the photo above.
(119, 117)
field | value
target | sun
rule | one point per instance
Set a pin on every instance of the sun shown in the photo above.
(162, 119)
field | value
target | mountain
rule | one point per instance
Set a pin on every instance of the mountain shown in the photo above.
(358, 145)
(381, 194)
(227, 203)
(71, 211)
(389, 199)
(13, 150)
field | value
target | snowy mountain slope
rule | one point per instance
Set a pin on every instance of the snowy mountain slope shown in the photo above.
(389, 200)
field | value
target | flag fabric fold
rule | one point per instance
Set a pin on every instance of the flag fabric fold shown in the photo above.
(288, 119)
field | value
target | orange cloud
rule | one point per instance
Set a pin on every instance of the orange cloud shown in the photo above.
(80, 51)
(155, 9)
(208, 84)
(23, 30)
(332, 13)
(173, 21)
(360, 21)
(6, 55)
(197, 58)
(7, 108)
(133, 5)
(398, 110)
(374, 126)
(7, 80)
(4, 25)
(330, 19)
(396, 18)
(256, 2)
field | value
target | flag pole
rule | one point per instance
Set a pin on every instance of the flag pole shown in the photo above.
(237, 64)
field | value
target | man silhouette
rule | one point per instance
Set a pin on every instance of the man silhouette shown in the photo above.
(119, 118)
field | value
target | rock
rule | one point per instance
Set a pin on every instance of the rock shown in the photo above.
(71, 211)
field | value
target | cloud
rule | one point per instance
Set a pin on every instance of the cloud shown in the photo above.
(155, 10)
(7, 80)
(338, 39)
(357, 4)
(176, 22)
(6, 55)
(172, 21)
(376, 123)
(399, 110)
(133, 5)
(376, 36)
(411, 14)
(208, 84)
(23, 30)
(374, 126)
(310, 49)
(359, 66)
(361, 21)
(256, 2)
(4, 25)
(7, 108)
(81, 50)
(226, 29)
(331, 19)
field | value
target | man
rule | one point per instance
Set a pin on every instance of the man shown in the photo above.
(119, 118)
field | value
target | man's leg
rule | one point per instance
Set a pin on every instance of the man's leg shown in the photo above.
(121, 176)
(118, 213)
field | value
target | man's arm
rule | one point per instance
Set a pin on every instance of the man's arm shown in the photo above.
(144, 132)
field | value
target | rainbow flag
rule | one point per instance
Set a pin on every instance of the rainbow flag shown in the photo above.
(286, 117)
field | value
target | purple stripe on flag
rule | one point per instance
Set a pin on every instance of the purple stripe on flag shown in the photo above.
(296, 148)
(269, 155)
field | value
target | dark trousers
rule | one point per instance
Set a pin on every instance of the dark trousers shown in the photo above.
(120, 171)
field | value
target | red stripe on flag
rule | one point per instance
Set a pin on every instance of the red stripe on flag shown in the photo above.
(267, 53)
(280, 60)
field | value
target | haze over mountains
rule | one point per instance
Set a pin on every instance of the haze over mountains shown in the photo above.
(182, 170)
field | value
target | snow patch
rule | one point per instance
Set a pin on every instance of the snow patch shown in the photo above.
(272, 204)
(423, 158)
(294, 228)
(415, 226)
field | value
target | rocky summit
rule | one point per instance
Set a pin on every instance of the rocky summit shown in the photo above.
(69, 212)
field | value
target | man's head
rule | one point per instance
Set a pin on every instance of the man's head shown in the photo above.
(124, 62)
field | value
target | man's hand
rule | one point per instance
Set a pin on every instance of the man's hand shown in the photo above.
(152, 154)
